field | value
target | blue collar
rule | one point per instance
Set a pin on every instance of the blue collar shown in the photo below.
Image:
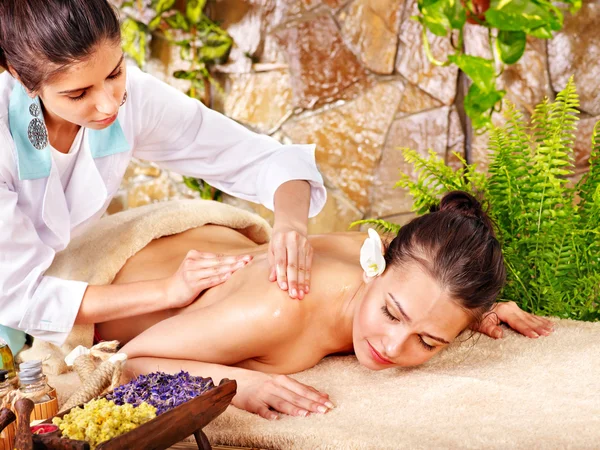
(34, 163)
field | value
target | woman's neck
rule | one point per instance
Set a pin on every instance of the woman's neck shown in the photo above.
(61, 133)
(341, 314)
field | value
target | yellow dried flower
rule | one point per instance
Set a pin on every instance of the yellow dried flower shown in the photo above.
(101, 420)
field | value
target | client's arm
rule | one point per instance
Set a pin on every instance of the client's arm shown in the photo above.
(198, 272)
(252, 328)
(523, 322)
(257, 392)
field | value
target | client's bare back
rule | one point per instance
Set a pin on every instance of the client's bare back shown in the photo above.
(161, 258)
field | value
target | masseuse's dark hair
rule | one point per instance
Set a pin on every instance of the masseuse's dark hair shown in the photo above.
(456, 245)
(40, 38)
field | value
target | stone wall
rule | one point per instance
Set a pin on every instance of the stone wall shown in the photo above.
(352, 77)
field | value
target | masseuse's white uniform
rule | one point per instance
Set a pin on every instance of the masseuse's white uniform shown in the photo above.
(46, 197)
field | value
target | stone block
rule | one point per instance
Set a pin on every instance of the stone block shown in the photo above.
(575, 51)
(321, 66)
(412, 63)
(420, 132)
(262, 100)
(416, 100)
(350, 138)
(370, 27)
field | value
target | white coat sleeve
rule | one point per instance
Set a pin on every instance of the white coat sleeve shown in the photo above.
(43, 306)
(181, 134)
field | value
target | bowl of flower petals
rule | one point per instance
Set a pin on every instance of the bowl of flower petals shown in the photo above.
(153, 411)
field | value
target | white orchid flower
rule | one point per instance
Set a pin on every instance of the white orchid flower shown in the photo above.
(371, 255)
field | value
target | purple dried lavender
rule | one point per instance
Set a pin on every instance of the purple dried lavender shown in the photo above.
(161, 390)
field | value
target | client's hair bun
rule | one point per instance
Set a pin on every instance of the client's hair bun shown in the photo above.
(465, 204)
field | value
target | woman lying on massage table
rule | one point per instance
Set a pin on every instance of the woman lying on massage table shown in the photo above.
(444, 272)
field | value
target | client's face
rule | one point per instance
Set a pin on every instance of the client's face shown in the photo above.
(404, 319)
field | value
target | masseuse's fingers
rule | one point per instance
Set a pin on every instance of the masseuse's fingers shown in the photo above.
(301, 271)
(298, 250)
(198, 272)
(307, 271)
(292, 268)
(204, 259)
(210, 267)
(200, 275)
(279, 260)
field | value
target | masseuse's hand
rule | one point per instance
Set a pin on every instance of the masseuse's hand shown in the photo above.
(523, 322)
(290, 259)
(198, 272)
(266, 394)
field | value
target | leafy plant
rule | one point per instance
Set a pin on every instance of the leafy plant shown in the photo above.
(201, 42)
(509, 22)
(207, 192)
(549, 229)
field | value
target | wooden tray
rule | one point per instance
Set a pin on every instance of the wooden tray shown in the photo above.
(176, 424)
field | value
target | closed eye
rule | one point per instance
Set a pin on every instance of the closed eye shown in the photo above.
(79, 97)
(389, 315)
(115, 75)
(110, 77)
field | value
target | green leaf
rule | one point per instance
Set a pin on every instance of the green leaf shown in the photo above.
(154, 23)
(479, 70)
(193, 10)
(379, 225)
(516, 15)
(134, 40)
(478, 105)
(543, 32)
(216, 49)
(177, 21)
(433, 16)
(511, 45)
(163, 5)
(575, 5)
(456, 13)
(186, 74)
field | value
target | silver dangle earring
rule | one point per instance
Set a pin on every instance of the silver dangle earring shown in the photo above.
(124, 99)
(37, 132)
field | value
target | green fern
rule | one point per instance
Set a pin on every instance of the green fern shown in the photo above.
(380, 225)
(549, 231)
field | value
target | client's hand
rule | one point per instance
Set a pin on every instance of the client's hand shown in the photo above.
(198, 272)
(290, 260)
(263, 394)
(509, 312)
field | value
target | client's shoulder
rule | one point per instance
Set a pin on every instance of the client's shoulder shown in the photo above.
(342, 245)
(268, 307)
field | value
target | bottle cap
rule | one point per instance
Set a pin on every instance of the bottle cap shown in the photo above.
(30, 364)
(30, 372)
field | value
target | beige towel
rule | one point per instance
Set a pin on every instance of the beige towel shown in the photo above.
(98, 255)
(511, 393)
(514, 393)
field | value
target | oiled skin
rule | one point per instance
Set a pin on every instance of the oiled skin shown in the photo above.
(299, 330)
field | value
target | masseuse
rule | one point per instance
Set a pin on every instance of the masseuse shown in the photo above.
(72, 116)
